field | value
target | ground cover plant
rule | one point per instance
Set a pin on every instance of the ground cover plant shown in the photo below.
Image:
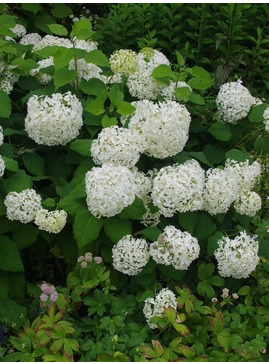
(134, 183)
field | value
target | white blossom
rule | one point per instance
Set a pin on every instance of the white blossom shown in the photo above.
(234, 101)
(22, 206)
(85, 70)
(237, 257)
(169, 92)
(87, 45)
(7, 77)
(118, 146)
(109, 190)
(124, 61)
(31, 39)
(19, 30)
(248, 203)
(266, 119)
(221, 190)
(176, 248)
(51, 40)
(54, 120)
(130, 255)
(2, 166)
(1, 135)
(179, 188)
(155, 307)
(164, 127)
(40, 73)
(50, 221)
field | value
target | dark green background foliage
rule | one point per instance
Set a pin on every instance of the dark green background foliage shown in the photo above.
(207, 44)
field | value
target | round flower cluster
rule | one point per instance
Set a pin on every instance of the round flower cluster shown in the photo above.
(40, 73)
(87, 258)
(48, 292)
(221, 190)
(50, 221)
(155, 307)
(19, 30)
(179, 188)
(2, 166)
(266, 119)
(141, 84)
(234, 102)
(85, 70)
(164, 127)
(54, 120)
(22, 206)
(7, 77)
(1, 135)
(124, 61)
(51, 40)
(31, 39)
(118, 146)
(109, 190)
(237, 257)
(247, 174)
(176, 248)
(130, 255)
(248, 203)
(86, 45)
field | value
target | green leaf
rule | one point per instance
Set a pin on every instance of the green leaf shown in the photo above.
(224, 339)
(107, 122)
(204, 289)
(200, 156)
(212, 243)
(217, 322)
(31, 7)
(188, 220)
(11, 165)
(5, 286)
(58, 29)
(180, 59)
(256, 113)
(238, 155)
(34, 163)
(10, 259)
(61, 10)
(25, 235)
(134, 211)
(92, 87)
(74, 202)
(125, 108)
(116, 228)
(202, 79)
(82, 29)
(82, 146)
(183, 93)
(86, 228)
(152, 233)
(7, 22)
(12, 313)
(261, 145)
(97, 106)
(115, 95)
(243, 291)
(98, 58)
(216, 281)
(63, 76)
(162, 71)
(220, 131)
(196, 99)
(5, 109)
(213, 154)
(62, 57)
(18, 182)
(17, 285)
(204, 227)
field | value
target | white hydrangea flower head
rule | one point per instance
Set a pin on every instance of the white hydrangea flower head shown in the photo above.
(118, 146)
(22, 206)
(124, 61)
(237, 257)
(109, 190)
(85, 70)
(248, 203)
(51, 40)
(169, 93)
(7, 77)
(141, 84)
(2, 166)
(221, 190)
(31, 39)
(87, 45)
(1, 135)
(19, 30)
(266, 119)
(179, 188)
(50, 221)
(176, 248)
(54, 120)
(130, 255)
(234, 102)
(248, 175)
(165, 127)
(155, 307)
(39, 73)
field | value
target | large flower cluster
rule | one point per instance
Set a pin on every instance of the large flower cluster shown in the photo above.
(130, 255)
(40, 72)
(266, 119)
(50, 221)
(22, 206)
(85, 70)
(176, 248)
(179, 188)
(118, 146)
(248, 175)
(50, 40)
(54, 120)
(2, 166)
(248, 203)
(155, 307)
(141, 84)
(237, 257)
(234, 102)
(124, 61)
(31, 39)
(165, 127)
(109, 190)
(7, 77)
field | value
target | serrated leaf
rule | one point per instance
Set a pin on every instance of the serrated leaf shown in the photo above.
(10, 259)
(116, 228)
(224, 339)
(5, 109)
(98, 58)
(182, 329)
(86, 228)
(183, 93)
(82, 29)
(217, 322)
(220, 131)
(58, 29)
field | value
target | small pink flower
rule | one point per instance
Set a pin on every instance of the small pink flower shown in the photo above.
(44, 297)
(83, 265)
(81, 259)
(88, 257)
(54, 296)
(98, 260)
